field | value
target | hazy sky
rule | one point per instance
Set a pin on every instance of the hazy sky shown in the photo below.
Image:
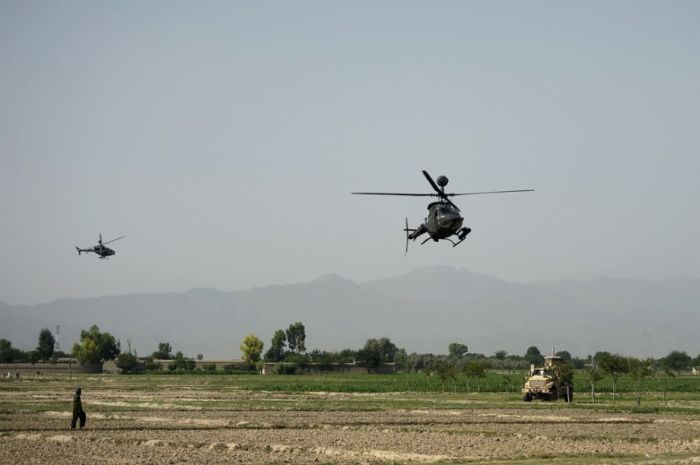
(223, 138)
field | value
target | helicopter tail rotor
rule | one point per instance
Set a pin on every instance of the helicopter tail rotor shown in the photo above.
(407, 230)
(408, 235)
(78, 249)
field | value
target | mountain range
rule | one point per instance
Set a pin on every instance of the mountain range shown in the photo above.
(423, 311)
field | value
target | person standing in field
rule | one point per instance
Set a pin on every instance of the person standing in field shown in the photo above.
(78, 412)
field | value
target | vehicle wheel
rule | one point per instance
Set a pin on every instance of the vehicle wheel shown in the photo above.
(527, 397)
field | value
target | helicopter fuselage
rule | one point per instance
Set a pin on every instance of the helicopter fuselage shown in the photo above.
(443, 220)
(103, 251)
(100, 250)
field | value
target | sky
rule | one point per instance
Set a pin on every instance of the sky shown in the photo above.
(224, 139)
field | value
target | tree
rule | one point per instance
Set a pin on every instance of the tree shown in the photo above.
(95, 347)
(151, 365)
(387, 350)
(445, 371)
(251, 348)
(593, 374)
(501, 355)
(457, 350)
(8, 354)
(564, 354)
(638, 370)
(127, 362)
(614, 365)
(164, 351)
(370, 359)
(180, 362)
(566, 373)
(375, 352)
(46, 344)
(401, 359)
(668, 373)
(296, 337)
(533, 356)
(33, 356)
(87, 352)
(276, 351)
(678, 361)
(474, 369)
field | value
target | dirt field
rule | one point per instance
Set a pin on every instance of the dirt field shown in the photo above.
(192, 420)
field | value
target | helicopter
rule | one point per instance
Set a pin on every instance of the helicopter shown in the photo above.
(100, 248)
(444, 219)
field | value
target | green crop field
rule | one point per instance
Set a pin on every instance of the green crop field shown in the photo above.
(419, 382)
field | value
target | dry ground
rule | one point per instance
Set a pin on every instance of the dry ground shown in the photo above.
(189, 421)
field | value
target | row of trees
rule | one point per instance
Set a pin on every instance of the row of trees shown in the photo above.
(44, 350)
(289, 345)
(615, 366)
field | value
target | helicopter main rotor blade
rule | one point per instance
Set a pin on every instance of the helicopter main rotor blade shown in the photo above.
(432, 183)
(440, 192)
(490, 192)
(450, 202)
(394, 193)
(120, 237)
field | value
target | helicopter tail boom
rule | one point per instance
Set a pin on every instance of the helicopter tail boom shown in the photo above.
(81, 251)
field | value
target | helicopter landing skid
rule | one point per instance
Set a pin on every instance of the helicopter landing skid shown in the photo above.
(461, 235)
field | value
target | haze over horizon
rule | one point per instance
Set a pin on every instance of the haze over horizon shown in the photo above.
(224, 139)
(422, 310)
(347, 278)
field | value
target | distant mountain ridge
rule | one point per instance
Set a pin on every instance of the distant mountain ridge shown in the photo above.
(422, 310)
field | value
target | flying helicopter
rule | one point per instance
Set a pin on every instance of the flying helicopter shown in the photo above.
(444, 219)
(100, 248)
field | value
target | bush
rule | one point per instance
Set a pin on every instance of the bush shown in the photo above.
(286, 369)
(180, 362)
(128, 362)
(151, 365)
(238, 368)
(299, 360)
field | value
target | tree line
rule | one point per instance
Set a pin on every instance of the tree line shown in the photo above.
(288, 350)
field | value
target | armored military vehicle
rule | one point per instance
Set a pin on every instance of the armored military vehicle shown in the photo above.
(549, 382)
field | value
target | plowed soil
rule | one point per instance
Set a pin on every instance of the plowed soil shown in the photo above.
(199, 425)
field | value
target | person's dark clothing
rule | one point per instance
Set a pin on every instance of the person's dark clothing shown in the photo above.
(78, 412)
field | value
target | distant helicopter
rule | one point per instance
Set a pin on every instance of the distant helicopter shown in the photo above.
(100, 248)
(444, 219)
